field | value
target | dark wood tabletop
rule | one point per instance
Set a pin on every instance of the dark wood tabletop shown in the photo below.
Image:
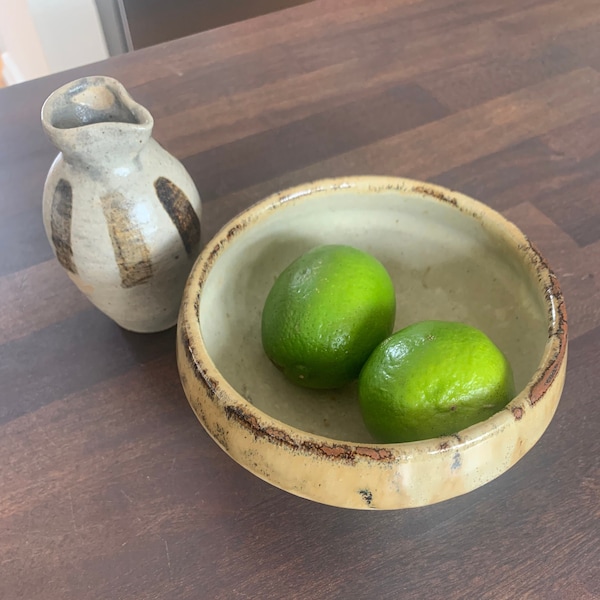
(111, 489)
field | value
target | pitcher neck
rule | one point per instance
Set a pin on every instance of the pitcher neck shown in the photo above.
(94, 120)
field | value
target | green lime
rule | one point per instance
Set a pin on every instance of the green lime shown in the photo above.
(326, 313)
(432, 378)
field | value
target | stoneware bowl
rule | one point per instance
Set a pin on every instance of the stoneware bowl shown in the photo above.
(450, 258)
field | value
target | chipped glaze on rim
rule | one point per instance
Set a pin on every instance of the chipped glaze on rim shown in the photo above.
(206, 389)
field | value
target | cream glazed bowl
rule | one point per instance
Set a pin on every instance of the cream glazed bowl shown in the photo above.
(450, 258)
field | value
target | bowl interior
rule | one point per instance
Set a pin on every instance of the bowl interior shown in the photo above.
(446, 263)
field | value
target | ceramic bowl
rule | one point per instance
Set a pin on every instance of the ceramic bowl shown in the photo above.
(451, 258)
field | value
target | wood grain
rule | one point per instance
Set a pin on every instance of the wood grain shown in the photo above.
(109, 488)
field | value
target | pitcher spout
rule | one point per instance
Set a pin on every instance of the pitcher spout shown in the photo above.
(96, 115)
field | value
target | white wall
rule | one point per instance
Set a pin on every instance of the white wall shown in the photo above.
(23, 55)
(47, 36)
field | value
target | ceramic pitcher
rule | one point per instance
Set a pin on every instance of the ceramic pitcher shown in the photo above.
(121, 213)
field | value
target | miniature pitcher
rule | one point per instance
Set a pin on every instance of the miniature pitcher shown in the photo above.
(121, 213)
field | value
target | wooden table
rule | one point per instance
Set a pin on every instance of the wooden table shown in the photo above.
(109, 487)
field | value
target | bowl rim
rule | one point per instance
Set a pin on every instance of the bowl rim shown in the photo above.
(263, 425)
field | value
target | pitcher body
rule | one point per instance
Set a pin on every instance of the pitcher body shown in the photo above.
(121, 213)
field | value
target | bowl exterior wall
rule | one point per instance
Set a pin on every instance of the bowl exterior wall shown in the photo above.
(364, 477)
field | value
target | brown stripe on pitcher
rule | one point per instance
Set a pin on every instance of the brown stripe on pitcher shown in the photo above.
(60, 224)
(181, 212)
(131, 252)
